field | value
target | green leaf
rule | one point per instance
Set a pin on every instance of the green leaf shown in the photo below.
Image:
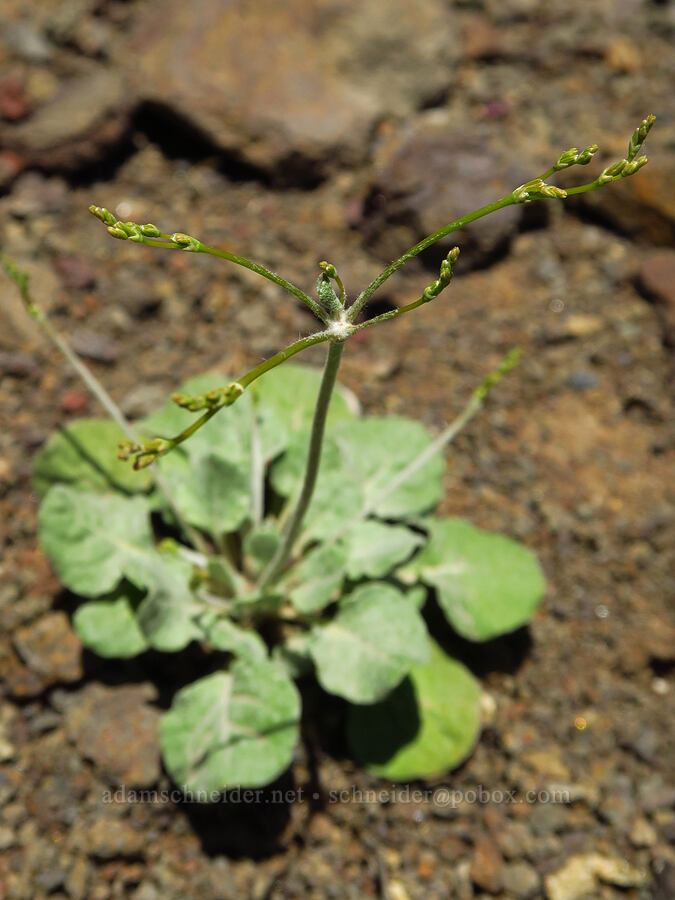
(376, 449)
(428, 725)
(417, 595)
(211, 493)
(373, 549)
(169, 614)
(109, 626)
(487, 584)
(259, 547)
(291, 391)
(93, 539)
(84, 455)
(370, 645)
(332, 507)
(225, 635)
(316, 580)
(288, 472)
(230, 729)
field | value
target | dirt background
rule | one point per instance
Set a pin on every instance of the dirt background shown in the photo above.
(345, 131)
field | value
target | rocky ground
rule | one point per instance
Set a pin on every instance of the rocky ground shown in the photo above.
(345, 131)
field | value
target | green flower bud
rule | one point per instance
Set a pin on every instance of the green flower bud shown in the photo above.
(151, 231)
(185, 242)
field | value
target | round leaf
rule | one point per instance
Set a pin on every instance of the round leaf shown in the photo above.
(487, 584)
(370, 645)
(231, 729)
(428, 725)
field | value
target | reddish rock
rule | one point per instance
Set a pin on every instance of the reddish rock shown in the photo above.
(117, 730)
(75, 401)
(50, 649)
(15, 104)
(77, 272)
(643, 205)
(487, 866)
(657, 278)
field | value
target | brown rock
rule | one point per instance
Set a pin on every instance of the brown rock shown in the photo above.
(480, 39)
(117, 730)
(487, 866)
(309, 96)
(434, 171)
(50, 648)
(642, 206)
(657, 279)
(109, 838)
(623, 55)
(89, 112)
(15, 103)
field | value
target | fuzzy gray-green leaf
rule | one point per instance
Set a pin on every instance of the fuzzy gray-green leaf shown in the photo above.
(373, 548)
(487, 584)
(371, 644)
(93, 539)
(211, 493)
(229, 729)
(428, 725)
(316, 580)
(109, 626)
(376, 449)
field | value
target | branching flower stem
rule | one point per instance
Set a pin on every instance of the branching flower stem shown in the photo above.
(536, 189)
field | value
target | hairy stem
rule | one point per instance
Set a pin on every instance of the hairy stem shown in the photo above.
(366, 294)
(292, 530)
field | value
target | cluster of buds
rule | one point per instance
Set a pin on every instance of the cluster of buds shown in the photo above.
(574, 157)
(125, 231)
(638, 139)
(621, 169)
(132, 231)
(214, 399)
(535, 190)
(443, 280)
(145, 454)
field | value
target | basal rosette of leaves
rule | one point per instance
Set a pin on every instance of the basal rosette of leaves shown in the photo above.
(348, 609)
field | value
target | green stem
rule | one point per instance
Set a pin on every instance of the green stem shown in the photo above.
(366, 294)
(292, 530)
(199, 247)
(271, 276)
(254, 373)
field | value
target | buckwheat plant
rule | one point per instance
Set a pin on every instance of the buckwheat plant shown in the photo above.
(291, 536)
